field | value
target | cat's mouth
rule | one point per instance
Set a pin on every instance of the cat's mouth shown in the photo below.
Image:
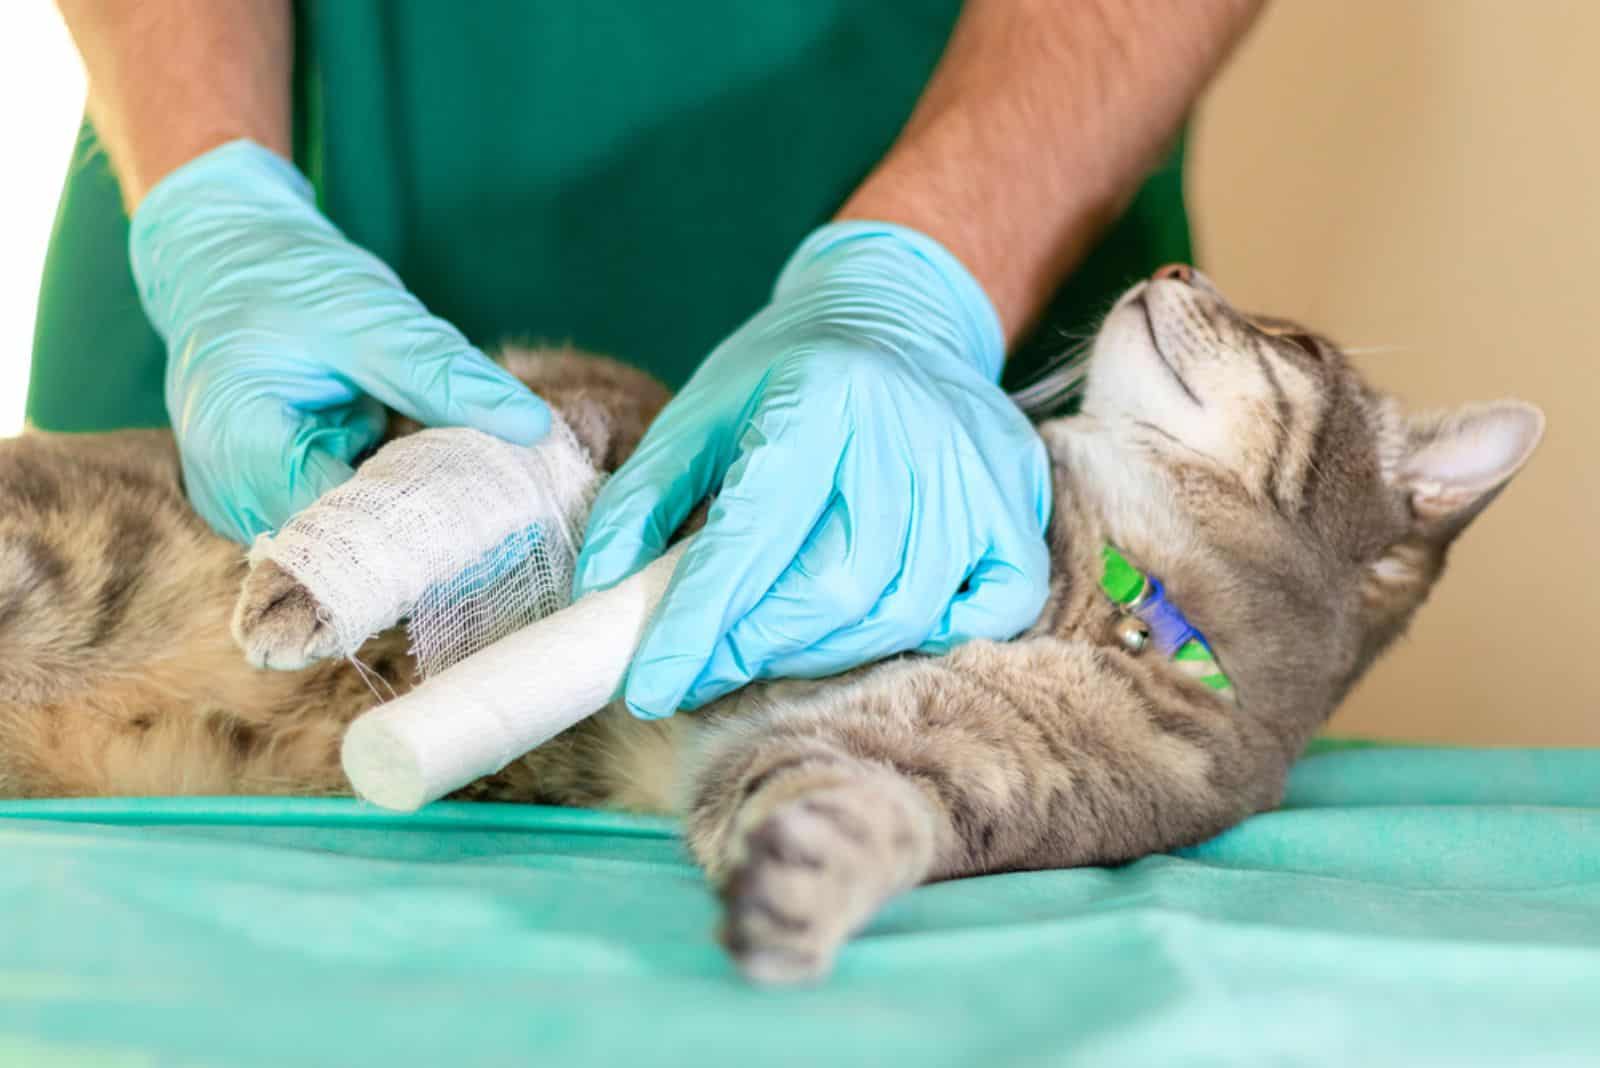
(1155, 346)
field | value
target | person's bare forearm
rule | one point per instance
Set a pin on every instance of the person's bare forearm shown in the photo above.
(170, 79)
(1038, 126)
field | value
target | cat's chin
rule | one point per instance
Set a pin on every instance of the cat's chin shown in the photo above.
(1131, 379)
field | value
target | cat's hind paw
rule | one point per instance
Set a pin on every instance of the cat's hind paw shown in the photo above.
(809, 875)
(278, 622)
(777, 904)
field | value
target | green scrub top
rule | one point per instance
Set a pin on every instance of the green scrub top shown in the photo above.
(624, 175)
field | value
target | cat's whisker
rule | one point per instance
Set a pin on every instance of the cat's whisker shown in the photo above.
(1373, 350)
(1062, 380)
(367, 674)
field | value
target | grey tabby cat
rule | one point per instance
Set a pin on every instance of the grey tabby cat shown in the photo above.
(1292, 513)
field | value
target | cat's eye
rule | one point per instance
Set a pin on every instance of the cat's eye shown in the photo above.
(1301, 340)
(1305, 343)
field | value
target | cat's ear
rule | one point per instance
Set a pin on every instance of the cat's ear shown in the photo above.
(1450, 466)
(1455, 463)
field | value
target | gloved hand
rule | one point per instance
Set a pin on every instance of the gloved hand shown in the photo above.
(283, 338)
(879, 492)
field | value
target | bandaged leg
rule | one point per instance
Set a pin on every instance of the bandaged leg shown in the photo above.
(474, 541)
(466, 536)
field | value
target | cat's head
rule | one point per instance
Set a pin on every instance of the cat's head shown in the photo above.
(1296, 515)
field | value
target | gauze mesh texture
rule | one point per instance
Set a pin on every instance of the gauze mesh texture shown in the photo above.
(467, 536)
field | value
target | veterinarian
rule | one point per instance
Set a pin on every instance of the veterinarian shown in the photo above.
(829, 222)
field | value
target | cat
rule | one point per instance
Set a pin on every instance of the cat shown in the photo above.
(1293, 514)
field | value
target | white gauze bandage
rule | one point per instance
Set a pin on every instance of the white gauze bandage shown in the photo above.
(468, 537)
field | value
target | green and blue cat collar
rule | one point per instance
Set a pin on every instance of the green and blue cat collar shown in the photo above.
(1159, 621)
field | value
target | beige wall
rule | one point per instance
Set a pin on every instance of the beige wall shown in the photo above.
(1423, 177)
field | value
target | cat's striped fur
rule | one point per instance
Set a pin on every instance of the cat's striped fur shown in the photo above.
(1292, 512)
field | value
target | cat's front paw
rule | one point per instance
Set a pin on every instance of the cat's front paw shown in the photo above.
(278, 623)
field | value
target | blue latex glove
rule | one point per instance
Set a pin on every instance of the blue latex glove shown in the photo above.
(879, 492)
(285, 340)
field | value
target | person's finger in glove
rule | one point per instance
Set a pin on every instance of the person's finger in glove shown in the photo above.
(878, 491)
(285, 341)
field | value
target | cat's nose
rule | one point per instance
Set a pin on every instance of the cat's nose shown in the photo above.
(1174, 272)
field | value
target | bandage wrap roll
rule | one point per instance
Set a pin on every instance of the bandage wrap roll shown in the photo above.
(494, 706)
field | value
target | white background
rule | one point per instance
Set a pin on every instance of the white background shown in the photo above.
(41, 101)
